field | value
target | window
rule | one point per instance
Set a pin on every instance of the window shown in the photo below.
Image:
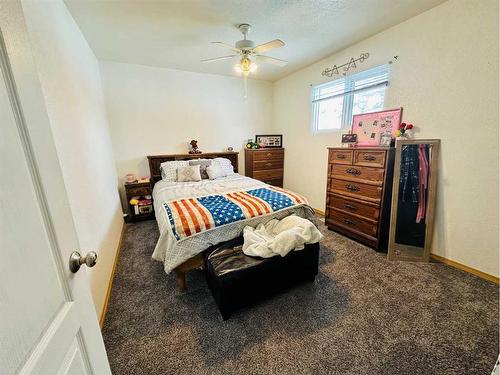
(334, 103)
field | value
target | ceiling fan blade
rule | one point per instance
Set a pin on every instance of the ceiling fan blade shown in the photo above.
(276, 43)
(218, 58)
(271, 60)
(228, 46)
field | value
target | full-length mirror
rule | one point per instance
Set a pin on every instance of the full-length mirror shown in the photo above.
(413, 199)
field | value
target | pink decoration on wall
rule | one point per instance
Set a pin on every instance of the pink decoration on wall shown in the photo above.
(370, 126)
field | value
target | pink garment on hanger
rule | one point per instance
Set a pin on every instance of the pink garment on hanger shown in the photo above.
(423, 175)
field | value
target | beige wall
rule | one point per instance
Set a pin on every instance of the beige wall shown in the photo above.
(69, 74)
(446, 78)
(158, 111)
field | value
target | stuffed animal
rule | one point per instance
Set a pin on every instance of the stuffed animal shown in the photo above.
(194, 147)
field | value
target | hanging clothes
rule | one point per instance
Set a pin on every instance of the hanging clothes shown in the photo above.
(408, 230)
(409, 175)
(423, 178)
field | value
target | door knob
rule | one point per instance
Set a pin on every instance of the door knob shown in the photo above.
(76, 260)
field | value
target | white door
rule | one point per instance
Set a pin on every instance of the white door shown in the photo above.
(48, 322)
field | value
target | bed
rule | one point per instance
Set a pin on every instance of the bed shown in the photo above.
(179, 253)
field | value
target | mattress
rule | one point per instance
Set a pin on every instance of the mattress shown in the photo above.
(173, 252)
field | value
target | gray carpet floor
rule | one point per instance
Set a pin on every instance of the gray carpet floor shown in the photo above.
(362, 315)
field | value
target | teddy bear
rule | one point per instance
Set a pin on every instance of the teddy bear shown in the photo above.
(194, 147)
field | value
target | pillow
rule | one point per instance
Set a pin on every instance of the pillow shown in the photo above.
(169, 169)
(189, 173)
(215, 171)
(203, 163)
(225, 164)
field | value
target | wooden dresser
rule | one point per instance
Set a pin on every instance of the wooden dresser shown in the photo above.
(265, 164)
(358, 195)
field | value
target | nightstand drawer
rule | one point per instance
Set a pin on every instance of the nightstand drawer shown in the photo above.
(137, 191)
(268, 164)
(269, 155)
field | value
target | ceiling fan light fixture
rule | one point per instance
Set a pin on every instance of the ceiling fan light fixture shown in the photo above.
(245, 66)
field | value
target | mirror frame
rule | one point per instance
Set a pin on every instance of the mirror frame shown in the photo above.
(431, 199)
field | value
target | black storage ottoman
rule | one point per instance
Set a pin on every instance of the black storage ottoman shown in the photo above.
(238, 280)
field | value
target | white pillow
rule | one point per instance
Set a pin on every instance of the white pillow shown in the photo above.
(225, 164)
(169, 169)
(191, 173)
(215, 171)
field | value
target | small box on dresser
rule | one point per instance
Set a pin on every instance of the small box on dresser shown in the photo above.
(358, 193)
(265, 164)
(139, 190)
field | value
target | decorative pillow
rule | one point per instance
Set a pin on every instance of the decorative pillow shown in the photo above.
(225, 164)
(215, 171)
(169, 169)
(203, 163)
(189, 173)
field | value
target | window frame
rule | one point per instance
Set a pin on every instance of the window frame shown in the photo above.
(348, 95)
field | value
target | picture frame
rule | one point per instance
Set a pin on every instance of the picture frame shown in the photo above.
(270, 140)
(370, 126)
(385, 140)
(349, 138)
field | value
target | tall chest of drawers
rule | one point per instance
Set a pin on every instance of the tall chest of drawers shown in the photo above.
(358, 194)
(265, 164)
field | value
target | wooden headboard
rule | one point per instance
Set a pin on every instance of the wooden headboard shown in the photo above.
(156, 160)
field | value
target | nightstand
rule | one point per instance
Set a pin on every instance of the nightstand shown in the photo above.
(143, 193)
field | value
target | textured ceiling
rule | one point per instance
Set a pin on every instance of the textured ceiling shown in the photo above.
(177, 34)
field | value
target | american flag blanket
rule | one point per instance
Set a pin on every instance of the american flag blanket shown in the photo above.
(190, 216)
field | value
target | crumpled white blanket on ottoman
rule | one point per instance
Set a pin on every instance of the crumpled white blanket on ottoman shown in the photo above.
(279, 237)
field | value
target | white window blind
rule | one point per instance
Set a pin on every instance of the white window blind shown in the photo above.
(334, 103)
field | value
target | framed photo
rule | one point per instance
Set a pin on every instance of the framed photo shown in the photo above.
(370, 126)
(385, 140)
(275, 140)
(349, 138)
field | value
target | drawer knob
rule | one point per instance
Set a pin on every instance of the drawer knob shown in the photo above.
(269, 154)
(340, 156)
(370, 157)
(352, 187)
(350, 207)
(268, 164)
(349, 222)
(353, 171)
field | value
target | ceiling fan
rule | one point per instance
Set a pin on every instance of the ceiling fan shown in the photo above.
(247, 50)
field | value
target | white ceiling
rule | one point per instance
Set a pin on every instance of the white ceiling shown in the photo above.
(177, 34)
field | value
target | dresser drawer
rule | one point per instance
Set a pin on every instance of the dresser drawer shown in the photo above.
(375, 175)
(340, 156)
(268, 155)
(353, 207)
(269, 174)
(354, 223)
(367, 192)
(268, 164)
(274, 182)
(369, 158)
